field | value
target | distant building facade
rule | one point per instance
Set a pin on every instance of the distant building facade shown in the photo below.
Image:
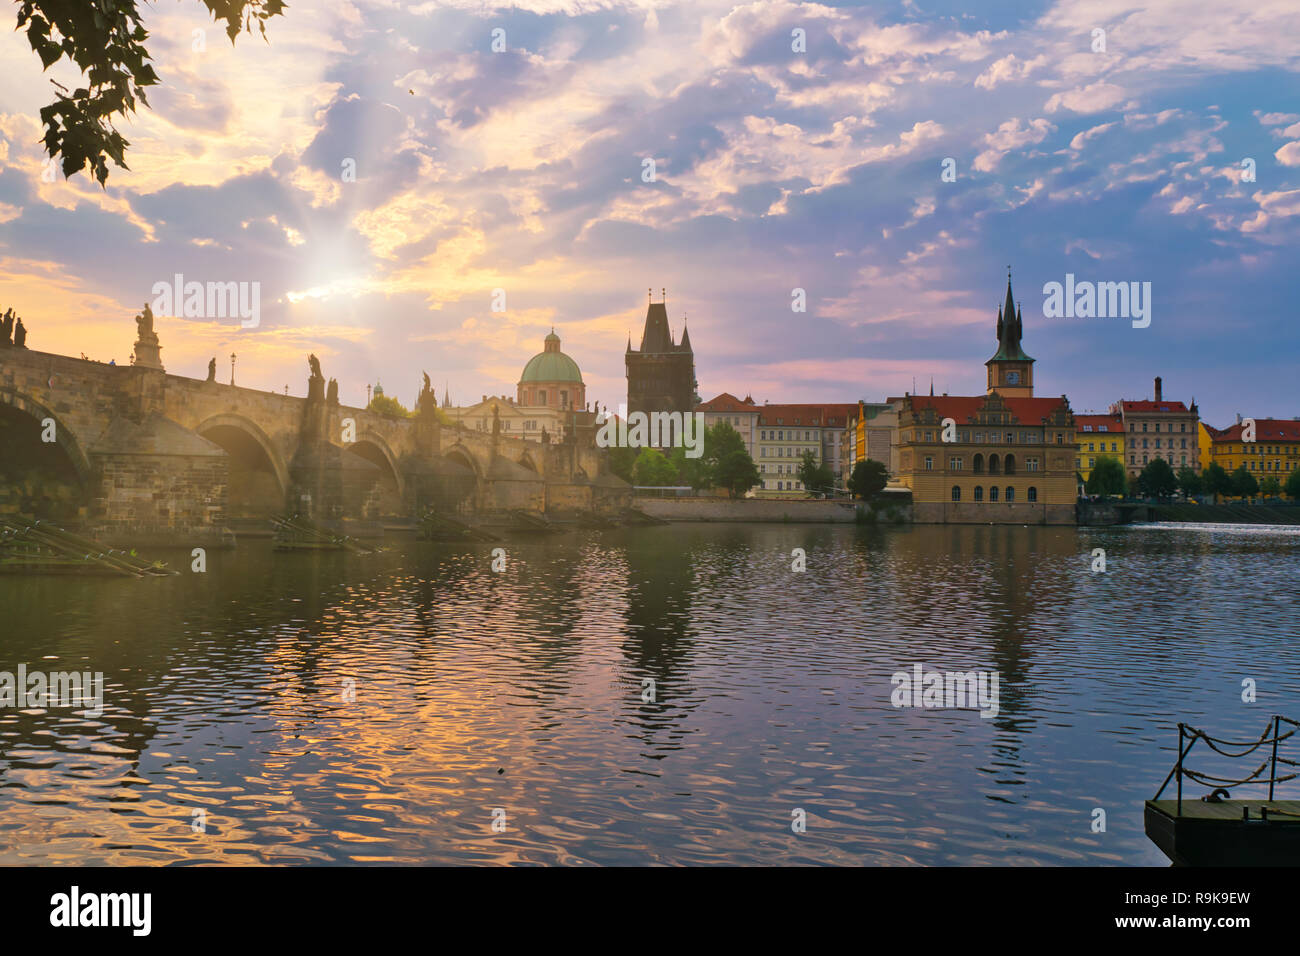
(1098, 436)
(1013, 457)
(785, 432)
(871, 432)
(1160, 428)
(740, 414)
(1275, 452)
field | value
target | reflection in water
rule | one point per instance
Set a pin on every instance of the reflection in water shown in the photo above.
(336, 708)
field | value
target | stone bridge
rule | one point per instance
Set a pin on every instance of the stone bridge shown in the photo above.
(127, 450)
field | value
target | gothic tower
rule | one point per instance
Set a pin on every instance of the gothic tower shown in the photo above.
(660, 374)
(1011, 371)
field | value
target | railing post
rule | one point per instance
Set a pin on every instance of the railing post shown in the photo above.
(1272, 770)
(1178, 769)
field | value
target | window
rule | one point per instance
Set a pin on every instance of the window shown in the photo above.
(541, 397)
(1011, 494)
(956, 493)
(929, 463)
(979, 493)
(954, 464)
(1009, 465)
(1032, 495)
(993, 493)
(1092, 462)
(1031, 464)
(1157, 426)
(994, 467)
(977, 464)
(1091, 446)
(1132, 459)
(1078, 463)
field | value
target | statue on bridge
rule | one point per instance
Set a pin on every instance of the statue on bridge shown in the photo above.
(147, 352)
(212, 369)
(316, 383)
(332, 395)
(20, 335)
(144, 324)
(7, 328)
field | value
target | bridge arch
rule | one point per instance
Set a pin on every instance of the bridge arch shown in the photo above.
(374, 448)
(63, 435)
(463, 456)
(250, 451)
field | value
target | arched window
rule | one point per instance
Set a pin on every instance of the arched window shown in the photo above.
(1011, 493)
(993, 493)
(978, 466)
(1009, 465)
(956, 493)
(993, 467)
(979, 492)
(1033, 493)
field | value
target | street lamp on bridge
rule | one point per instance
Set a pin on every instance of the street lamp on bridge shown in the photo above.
(232, 368)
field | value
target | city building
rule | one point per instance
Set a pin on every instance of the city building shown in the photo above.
(1098, 436)
(1012, 457)
(785, 432)
(661, 373)
(740, 414)
(552, 380)
(549, 395)
(1160, 428)
(871, 432)
(517, 421)
(1275, 452)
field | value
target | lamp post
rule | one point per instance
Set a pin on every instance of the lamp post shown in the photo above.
(367, 395)
(232, 368)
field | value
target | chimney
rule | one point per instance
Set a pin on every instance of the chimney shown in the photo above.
(1157, 388)
(1238, 418)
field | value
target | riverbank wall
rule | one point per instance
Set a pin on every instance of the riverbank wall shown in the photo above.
(792, 511)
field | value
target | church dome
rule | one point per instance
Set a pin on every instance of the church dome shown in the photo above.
(551, 365)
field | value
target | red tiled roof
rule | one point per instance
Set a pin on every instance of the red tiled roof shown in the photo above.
(1147, 406)
(1266, 429)
(807, 416)
(726, 402)
(1098, 423)
(962, 408)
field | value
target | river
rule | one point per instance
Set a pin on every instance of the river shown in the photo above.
(416, 706)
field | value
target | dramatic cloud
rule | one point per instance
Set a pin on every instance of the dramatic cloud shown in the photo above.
(382, 170)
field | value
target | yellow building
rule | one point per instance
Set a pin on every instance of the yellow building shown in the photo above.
(1004, 457)
(1097, 436)
(871, 432)
(1275, 452)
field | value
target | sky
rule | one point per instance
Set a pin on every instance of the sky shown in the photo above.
(1115, 157)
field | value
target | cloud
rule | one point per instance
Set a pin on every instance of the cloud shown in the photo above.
(1092, 98)
(1008, 136)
